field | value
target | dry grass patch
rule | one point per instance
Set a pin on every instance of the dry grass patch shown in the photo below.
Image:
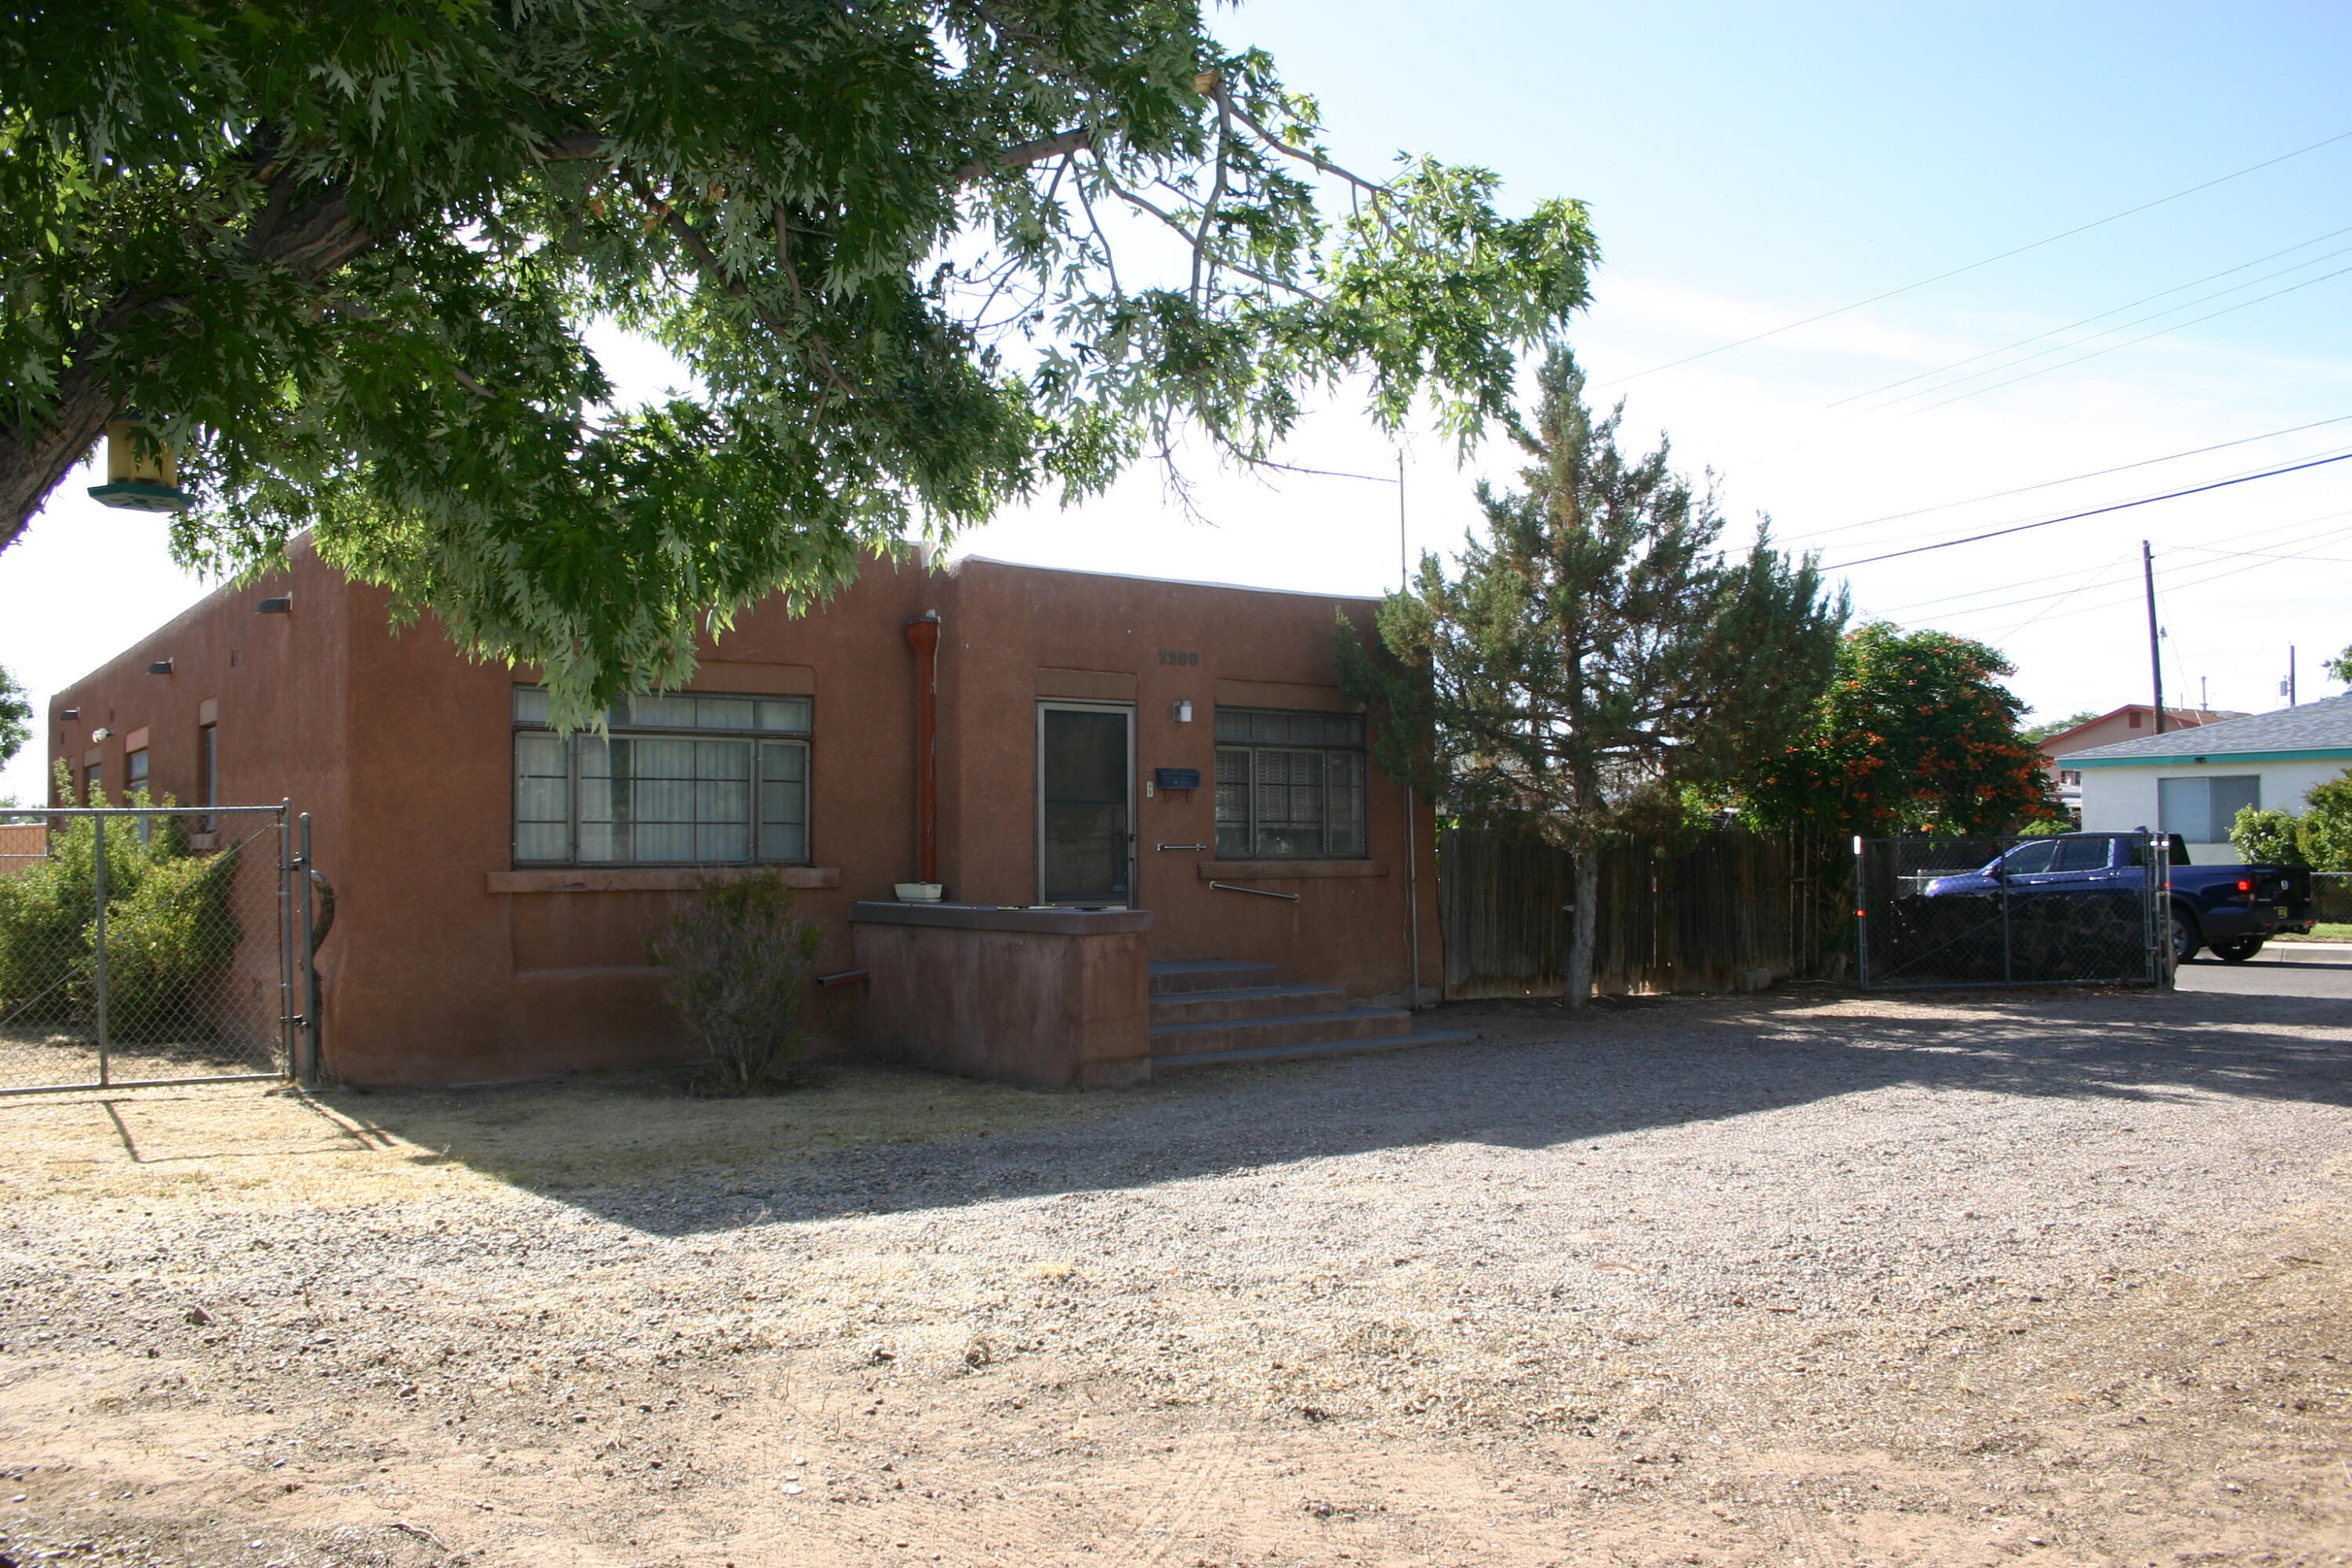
(241, 1143)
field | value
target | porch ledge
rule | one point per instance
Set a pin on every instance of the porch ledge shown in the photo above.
(989, 917)
(654, 879)
(1292, 870)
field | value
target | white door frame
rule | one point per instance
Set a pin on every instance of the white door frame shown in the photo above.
(1073, 705)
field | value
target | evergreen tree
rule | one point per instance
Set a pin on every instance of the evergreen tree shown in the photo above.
(1598, 659)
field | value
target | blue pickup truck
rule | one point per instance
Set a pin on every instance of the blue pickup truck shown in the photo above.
(2232, 910)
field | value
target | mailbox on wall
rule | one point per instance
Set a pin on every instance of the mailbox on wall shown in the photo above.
(1176, 778)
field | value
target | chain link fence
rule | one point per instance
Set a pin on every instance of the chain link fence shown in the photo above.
(153, 945)
(2085, 908)
(2331, 897)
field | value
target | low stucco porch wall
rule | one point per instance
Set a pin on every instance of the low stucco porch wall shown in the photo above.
(1044, 998)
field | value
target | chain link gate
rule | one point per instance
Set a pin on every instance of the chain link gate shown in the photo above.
(2012, 911)
(144, 946)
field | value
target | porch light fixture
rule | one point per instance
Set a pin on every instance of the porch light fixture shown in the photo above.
(281, 606)
(142, 475)
(98, 734)
(161, 667)
(1183, 709)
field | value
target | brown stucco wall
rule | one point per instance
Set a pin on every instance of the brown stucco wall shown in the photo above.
(437, 971)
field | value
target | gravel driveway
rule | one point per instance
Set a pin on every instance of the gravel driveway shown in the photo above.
(2049, 1278)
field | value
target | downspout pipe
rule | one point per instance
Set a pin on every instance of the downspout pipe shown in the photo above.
(923, 637)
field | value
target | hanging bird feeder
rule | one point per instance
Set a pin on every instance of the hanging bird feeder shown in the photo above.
(141, 473)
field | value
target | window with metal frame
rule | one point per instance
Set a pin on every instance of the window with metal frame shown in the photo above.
(1290, 784)
(2204, 809)
(675, 779)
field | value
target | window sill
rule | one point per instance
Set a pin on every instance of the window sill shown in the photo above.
(1293, 869)
(652, 879)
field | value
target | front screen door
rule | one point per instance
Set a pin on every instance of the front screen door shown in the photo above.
(1086, 803)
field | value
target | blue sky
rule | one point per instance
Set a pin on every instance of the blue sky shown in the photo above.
(1748, 167)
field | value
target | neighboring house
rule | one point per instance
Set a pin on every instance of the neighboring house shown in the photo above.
(2129, 722)
(2195, 781)
(1171, 765)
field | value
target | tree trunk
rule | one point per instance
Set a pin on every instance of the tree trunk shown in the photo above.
(1584, 937)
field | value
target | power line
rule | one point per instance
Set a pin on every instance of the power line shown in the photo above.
(2243, 536)
(2070, 479)
(2127, 326)
(1988, 261)
(2097, 511)
(2110, 348)
(2103, 315)
(2324, 536)
(2197, 583)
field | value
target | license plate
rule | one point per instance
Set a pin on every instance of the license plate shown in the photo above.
(2281, 914)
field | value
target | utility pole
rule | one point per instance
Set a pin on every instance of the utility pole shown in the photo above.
(2290, 675)
(2155, 654)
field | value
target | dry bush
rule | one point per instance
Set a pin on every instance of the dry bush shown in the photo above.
(740, 964)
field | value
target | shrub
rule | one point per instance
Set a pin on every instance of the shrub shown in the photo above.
(169, 932)
(2328, 825)
(2268, 836)
(740, 963)
(167, 945)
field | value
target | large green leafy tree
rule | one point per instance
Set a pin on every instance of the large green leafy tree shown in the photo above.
(1916, 735)
(1598, 657)
(921, 255)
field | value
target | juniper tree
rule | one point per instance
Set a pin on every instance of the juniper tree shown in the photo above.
(1597, 659)
(921, 256)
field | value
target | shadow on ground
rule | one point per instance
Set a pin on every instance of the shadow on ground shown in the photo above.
(881, 1140)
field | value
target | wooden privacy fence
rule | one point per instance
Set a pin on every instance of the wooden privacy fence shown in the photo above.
(1735, 910)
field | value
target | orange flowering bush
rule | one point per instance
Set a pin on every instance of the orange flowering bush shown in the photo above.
(1916, 735)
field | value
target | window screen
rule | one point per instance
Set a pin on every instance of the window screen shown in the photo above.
(2202, 810)
(1289, 784)
(675, 779)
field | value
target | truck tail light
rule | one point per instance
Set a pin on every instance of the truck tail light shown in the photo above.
(2245, 885)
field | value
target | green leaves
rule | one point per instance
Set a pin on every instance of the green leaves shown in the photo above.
(1916, 735)
(921, 259)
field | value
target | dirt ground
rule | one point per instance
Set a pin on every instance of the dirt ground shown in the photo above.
(1796, 1280)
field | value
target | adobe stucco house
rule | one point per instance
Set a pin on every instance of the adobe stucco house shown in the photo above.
(1169, 768)
(2195, 781)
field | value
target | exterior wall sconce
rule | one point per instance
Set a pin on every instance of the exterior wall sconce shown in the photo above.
(139, 480)
(1183, 709)
(161, 667)
(281, 606)
(100, 734)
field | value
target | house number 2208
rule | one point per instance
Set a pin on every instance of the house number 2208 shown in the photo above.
(1168, 655)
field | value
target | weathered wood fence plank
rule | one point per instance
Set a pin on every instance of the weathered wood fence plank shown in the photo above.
(1735, 909)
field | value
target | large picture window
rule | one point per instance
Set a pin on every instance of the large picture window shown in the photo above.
(677, 780)
(1290, 785)
(2203, 810)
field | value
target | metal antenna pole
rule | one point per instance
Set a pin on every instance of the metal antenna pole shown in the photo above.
(2155, 654)
(1411, 806)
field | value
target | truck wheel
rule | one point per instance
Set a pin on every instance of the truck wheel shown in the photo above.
(2185, 938)
(2238, 952)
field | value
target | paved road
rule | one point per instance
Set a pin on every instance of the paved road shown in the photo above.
(2281, 969)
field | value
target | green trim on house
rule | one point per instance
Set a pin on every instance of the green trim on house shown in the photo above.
(2177, 759)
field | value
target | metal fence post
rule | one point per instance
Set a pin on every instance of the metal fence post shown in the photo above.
(1861, 920)
(285, 940)
(310, 1066)
(98, 935)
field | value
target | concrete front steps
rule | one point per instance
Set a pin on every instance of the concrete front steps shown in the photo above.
(1211, 1011)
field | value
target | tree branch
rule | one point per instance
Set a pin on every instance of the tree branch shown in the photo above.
(1081, 139)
